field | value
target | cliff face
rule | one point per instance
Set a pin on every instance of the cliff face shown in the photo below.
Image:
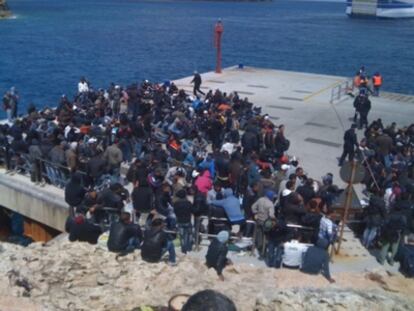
(78, 276)
(4, 9)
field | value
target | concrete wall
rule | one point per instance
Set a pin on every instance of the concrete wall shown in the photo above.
(33, 201)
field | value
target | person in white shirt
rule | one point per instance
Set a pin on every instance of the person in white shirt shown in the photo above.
(83, 86)
(227, 146)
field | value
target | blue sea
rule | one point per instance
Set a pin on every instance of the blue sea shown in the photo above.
(50, 44)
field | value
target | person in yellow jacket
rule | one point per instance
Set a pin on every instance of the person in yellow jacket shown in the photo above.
(377, 83)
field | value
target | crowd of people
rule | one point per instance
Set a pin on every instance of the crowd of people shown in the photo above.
(186, 157)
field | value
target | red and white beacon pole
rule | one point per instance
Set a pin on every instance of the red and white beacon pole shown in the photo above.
(218, 31)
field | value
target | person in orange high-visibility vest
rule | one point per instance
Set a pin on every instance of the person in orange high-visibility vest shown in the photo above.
(357, 81)
(377, 82)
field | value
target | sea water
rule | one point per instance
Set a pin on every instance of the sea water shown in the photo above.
(52, 43)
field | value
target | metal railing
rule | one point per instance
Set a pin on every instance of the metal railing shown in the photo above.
(199, 235)
(39, 170)
(340, 90)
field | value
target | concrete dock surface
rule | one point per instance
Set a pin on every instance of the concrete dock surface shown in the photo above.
(301, 101)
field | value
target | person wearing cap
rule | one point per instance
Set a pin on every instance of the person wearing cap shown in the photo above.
(263, 209)
(350, 143)
(216, 256)
(197, 84)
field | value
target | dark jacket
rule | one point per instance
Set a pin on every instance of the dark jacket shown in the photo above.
(350, 139)
(216, 256)
(96, 166)
(316, 260)
(83, 231)
(394, 226)
(74, 192)
(306, 192)
(278, 234)
(108, 198)
(183, 210)
(155, 239)
(292, 211)
(196, 79)
(142, 199)
(249, 141)
(375, 212)
(120, 233)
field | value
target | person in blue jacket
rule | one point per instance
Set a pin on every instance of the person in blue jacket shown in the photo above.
(231, 206)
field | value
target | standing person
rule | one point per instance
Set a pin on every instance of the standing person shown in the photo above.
(14, 101)
(263, 209)
(327, 228)
(392, 231)
(363, 110)
(377, 83)
(7, 106)
(183, 211)
(350, 142)
(197, 83)
(374, 216)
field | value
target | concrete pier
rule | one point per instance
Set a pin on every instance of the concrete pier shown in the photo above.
(300, 101)
(45, 205)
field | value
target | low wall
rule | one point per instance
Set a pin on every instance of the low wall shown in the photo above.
(33, 202)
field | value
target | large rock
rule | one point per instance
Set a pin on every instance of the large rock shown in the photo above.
(4, 9)
(78, 276)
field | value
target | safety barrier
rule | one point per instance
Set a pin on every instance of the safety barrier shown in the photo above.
(199, 235)
(55, 174)
(340, 90)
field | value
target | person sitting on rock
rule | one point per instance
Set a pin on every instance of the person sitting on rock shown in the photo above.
(80, 229)
(156, 243)
(217, 252)
(124, 236)
(316, 260)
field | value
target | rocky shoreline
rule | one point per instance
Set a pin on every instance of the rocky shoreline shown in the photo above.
(4, 9)
(78, 276)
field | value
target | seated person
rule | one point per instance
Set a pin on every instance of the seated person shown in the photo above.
(311, 219)
(293, 252)
(124, 236)
(156, 243)
(217, 252)
(276, 234)
(316, 260)
(405, 256)
(231, 205)
(80, 229)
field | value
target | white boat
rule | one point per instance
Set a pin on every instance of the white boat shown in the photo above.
(380, 8)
